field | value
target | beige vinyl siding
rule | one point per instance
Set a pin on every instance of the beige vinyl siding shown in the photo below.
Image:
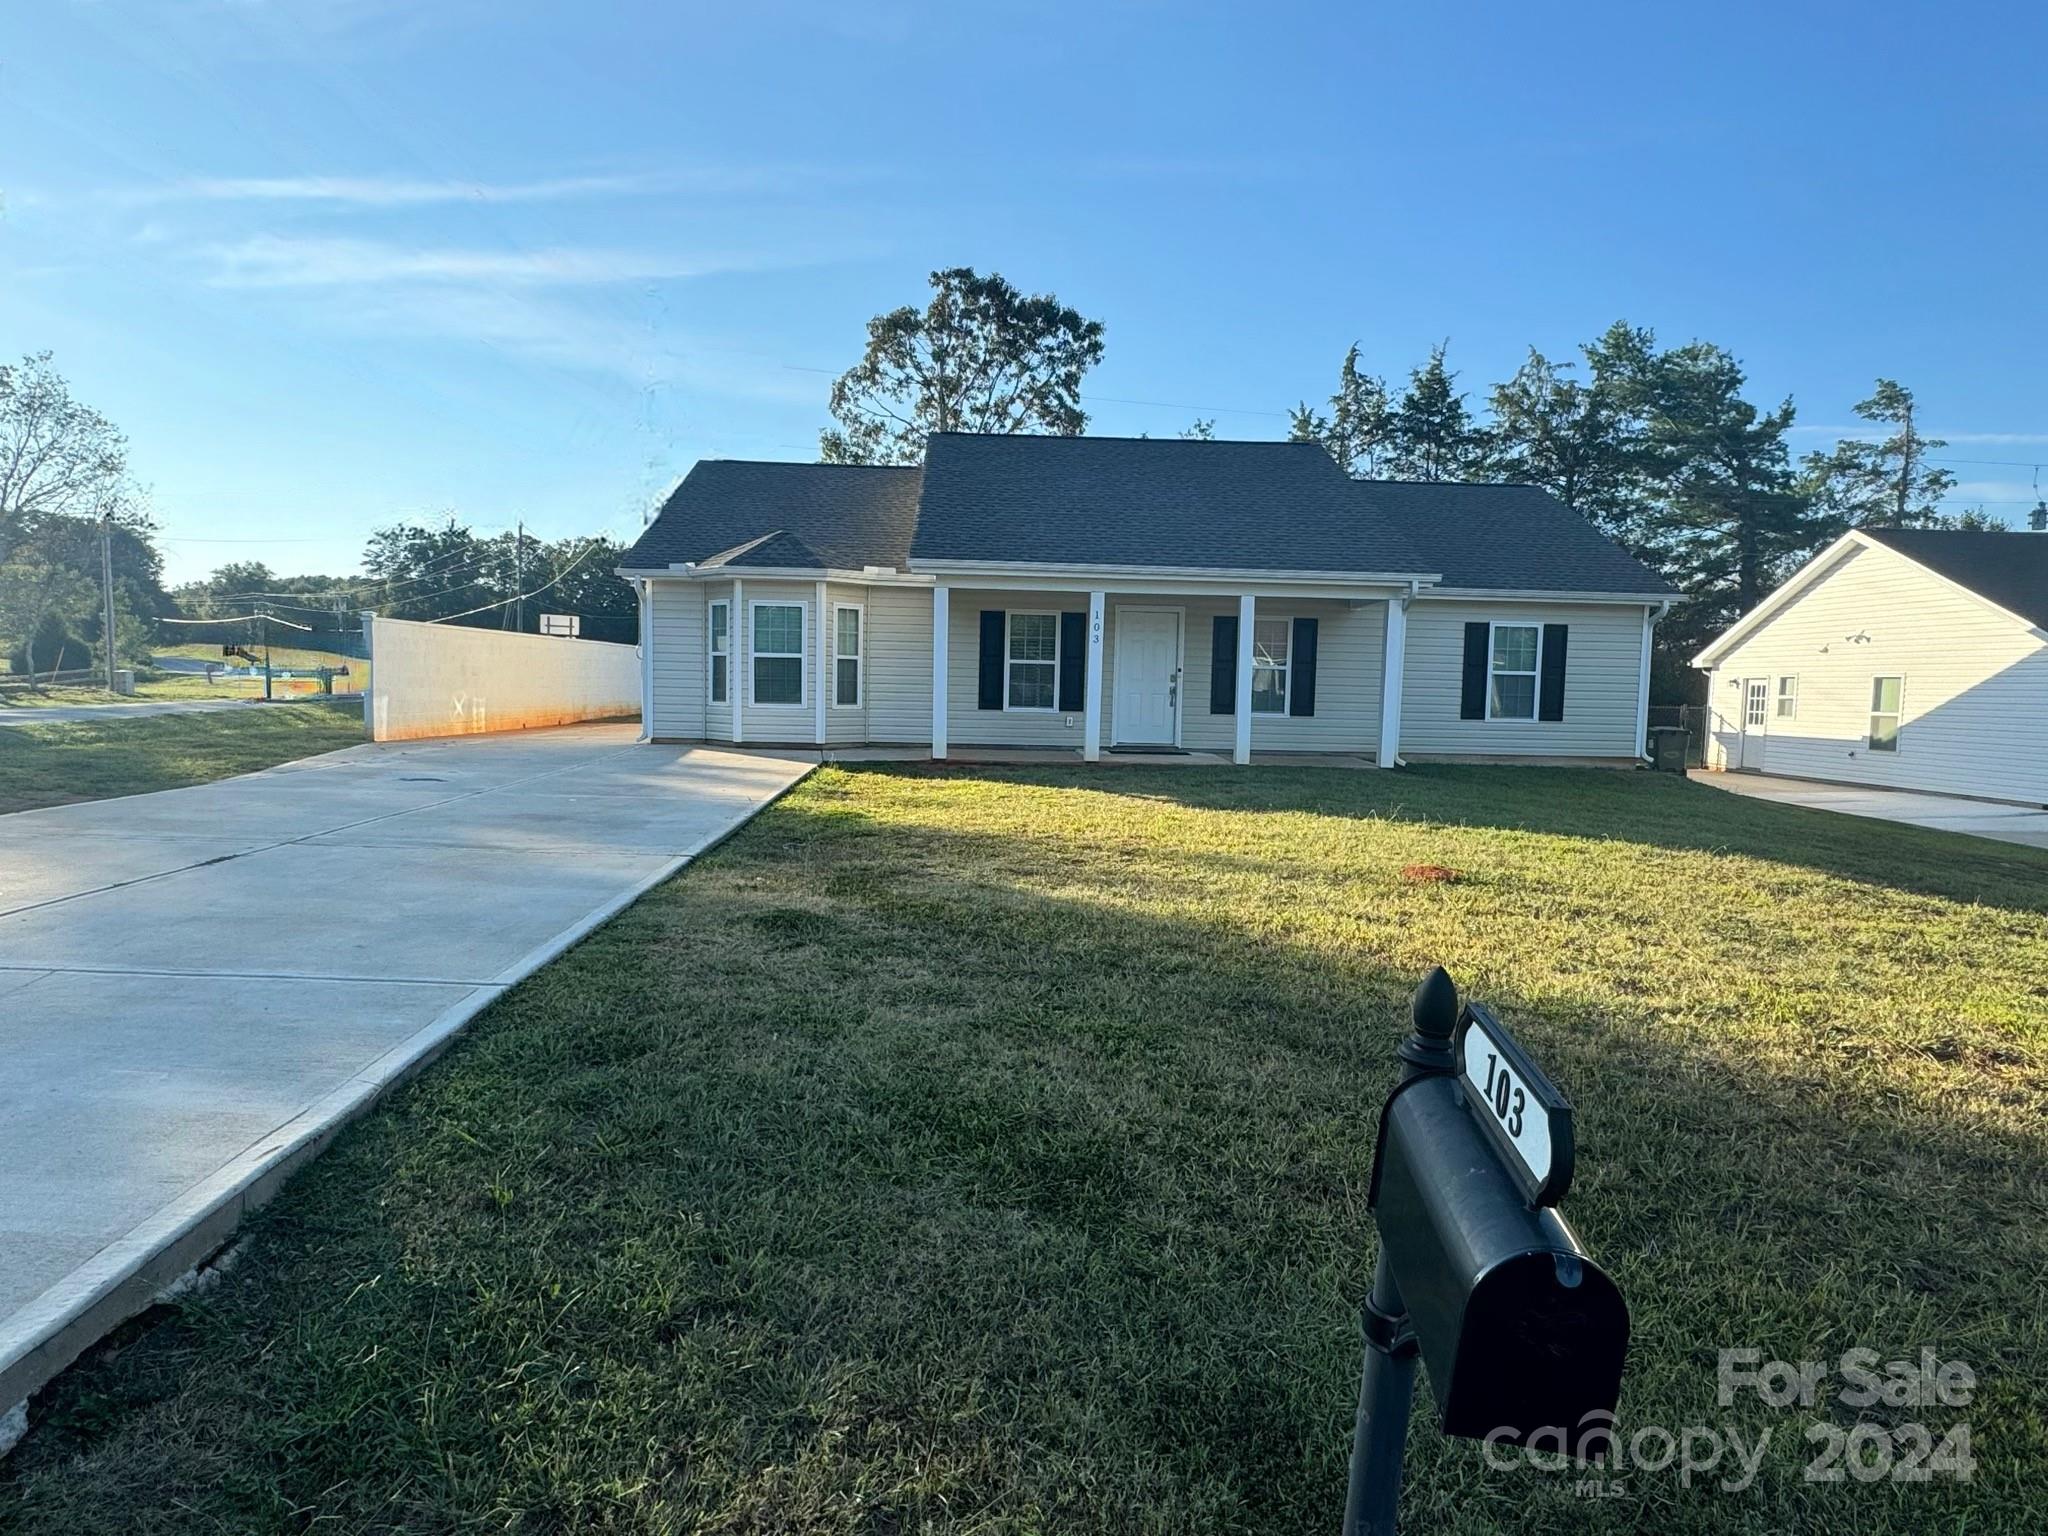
(1974, 700)
(678, 668)
(844, 726)
(1603, 668)
(1350, 649)
(768, 724)
(968, 725)
(898, 679)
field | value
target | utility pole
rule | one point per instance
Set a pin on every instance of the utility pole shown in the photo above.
(264, 615)
(107, 584)
(519, 578)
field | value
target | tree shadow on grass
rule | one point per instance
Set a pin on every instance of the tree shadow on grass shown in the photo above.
(872, 1178)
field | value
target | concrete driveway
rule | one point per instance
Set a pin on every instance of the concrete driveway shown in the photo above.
(198, 987)
(1944, 813)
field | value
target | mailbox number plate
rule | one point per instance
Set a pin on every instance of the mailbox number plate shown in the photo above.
(1529, 1121)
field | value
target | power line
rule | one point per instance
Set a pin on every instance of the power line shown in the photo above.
(588, 546)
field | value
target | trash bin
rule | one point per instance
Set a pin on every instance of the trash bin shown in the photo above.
(1668, 744)
(124, 680)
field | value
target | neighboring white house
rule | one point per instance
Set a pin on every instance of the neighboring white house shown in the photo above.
(1099, 594)
(1911, 658)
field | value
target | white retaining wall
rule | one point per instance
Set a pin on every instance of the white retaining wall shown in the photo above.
(445, 680)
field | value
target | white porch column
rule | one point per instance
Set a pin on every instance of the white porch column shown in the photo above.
(1091, 717)
(942, 617)
(1643, 686)
(822, 635)
(646, 660)
(1393, 664)
(1247, 613)
(736, 638)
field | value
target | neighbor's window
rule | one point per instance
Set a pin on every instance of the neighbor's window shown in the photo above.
(1033, 660)
(1884, 714)
(778, 653)
(1270, 641)
(1788, 698)
(721, 650)
(846, 658)
(1514, 671)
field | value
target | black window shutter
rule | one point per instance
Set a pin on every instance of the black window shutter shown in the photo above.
(1073, 660)
(1550, 686)
(992, 635)
(1301, 670)
(1223, 665)
(1472, 698)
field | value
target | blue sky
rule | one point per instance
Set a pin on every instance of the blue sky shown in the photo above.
(335, 262)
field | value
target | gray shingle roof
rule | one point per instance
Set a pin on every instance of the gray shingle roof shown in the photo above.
(1516, 538)
(2010, 569)
(1142, 501)
(1096, 501)
(842, 516)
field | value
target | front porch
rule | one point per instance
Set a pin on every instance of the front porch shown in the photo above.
(1066, 757)
(1190, 674)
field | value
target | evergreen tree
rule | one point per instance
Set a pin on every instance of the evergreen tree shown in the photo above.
(1577, 441)
(1887, 483)
(1358, 433)
(1434, 434)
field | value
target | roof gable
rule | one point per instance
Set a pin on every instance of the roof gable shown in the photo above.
(740, 513)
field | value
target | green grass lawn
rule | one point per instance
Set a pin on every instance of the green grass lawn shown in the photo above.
(52, 763)
(986, 1151)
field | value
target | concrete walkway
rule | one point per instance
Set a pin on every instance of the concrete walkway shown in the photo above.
(1943, 813)
(198, 987)
(44, 714)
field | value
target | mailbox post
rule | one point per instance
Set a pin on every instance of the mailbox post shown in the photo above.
(1478, 1276)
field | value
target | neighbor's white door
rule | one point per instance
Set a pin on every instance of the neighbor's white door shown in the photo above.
(1147, 693)
(1756, 714)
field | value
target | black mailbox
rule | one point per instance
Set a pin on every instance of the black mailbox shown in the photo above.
(1519, 1330)
(1522, 1334)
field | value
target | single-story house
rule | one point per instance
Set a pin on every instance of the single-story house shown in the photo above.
(1906, 657)
(1107, 594)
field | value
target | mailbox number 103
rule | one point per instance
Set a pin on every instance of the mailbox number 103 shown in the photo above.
(1507, 1097)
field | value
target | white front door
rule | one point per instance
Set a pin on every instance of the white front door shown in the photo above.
(1756, 715)
(1147, 697)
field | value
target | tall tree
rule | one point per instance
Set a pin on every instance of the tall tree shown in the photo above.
(1359, 431)
(979, 357)
(1731, 518)
(1886, 482)
(1578, 441)
(1435, 437)
(58, 458)
(429, 571)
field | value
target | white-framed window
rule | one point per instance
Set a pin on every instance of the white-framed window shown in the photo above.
(778, 653)
(721, 651)
(1516, 654)
(1886, 694)
(847, 619)
(1031, 662)
(1788, 698)
(1272, 655)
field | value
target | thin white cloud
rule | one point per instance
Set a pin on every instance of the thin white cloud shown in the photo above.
(378, 191)
(383, 191)
(277, 261)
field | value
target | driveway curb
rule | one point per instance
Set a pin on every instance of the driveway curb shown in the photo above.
(122, 1279)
